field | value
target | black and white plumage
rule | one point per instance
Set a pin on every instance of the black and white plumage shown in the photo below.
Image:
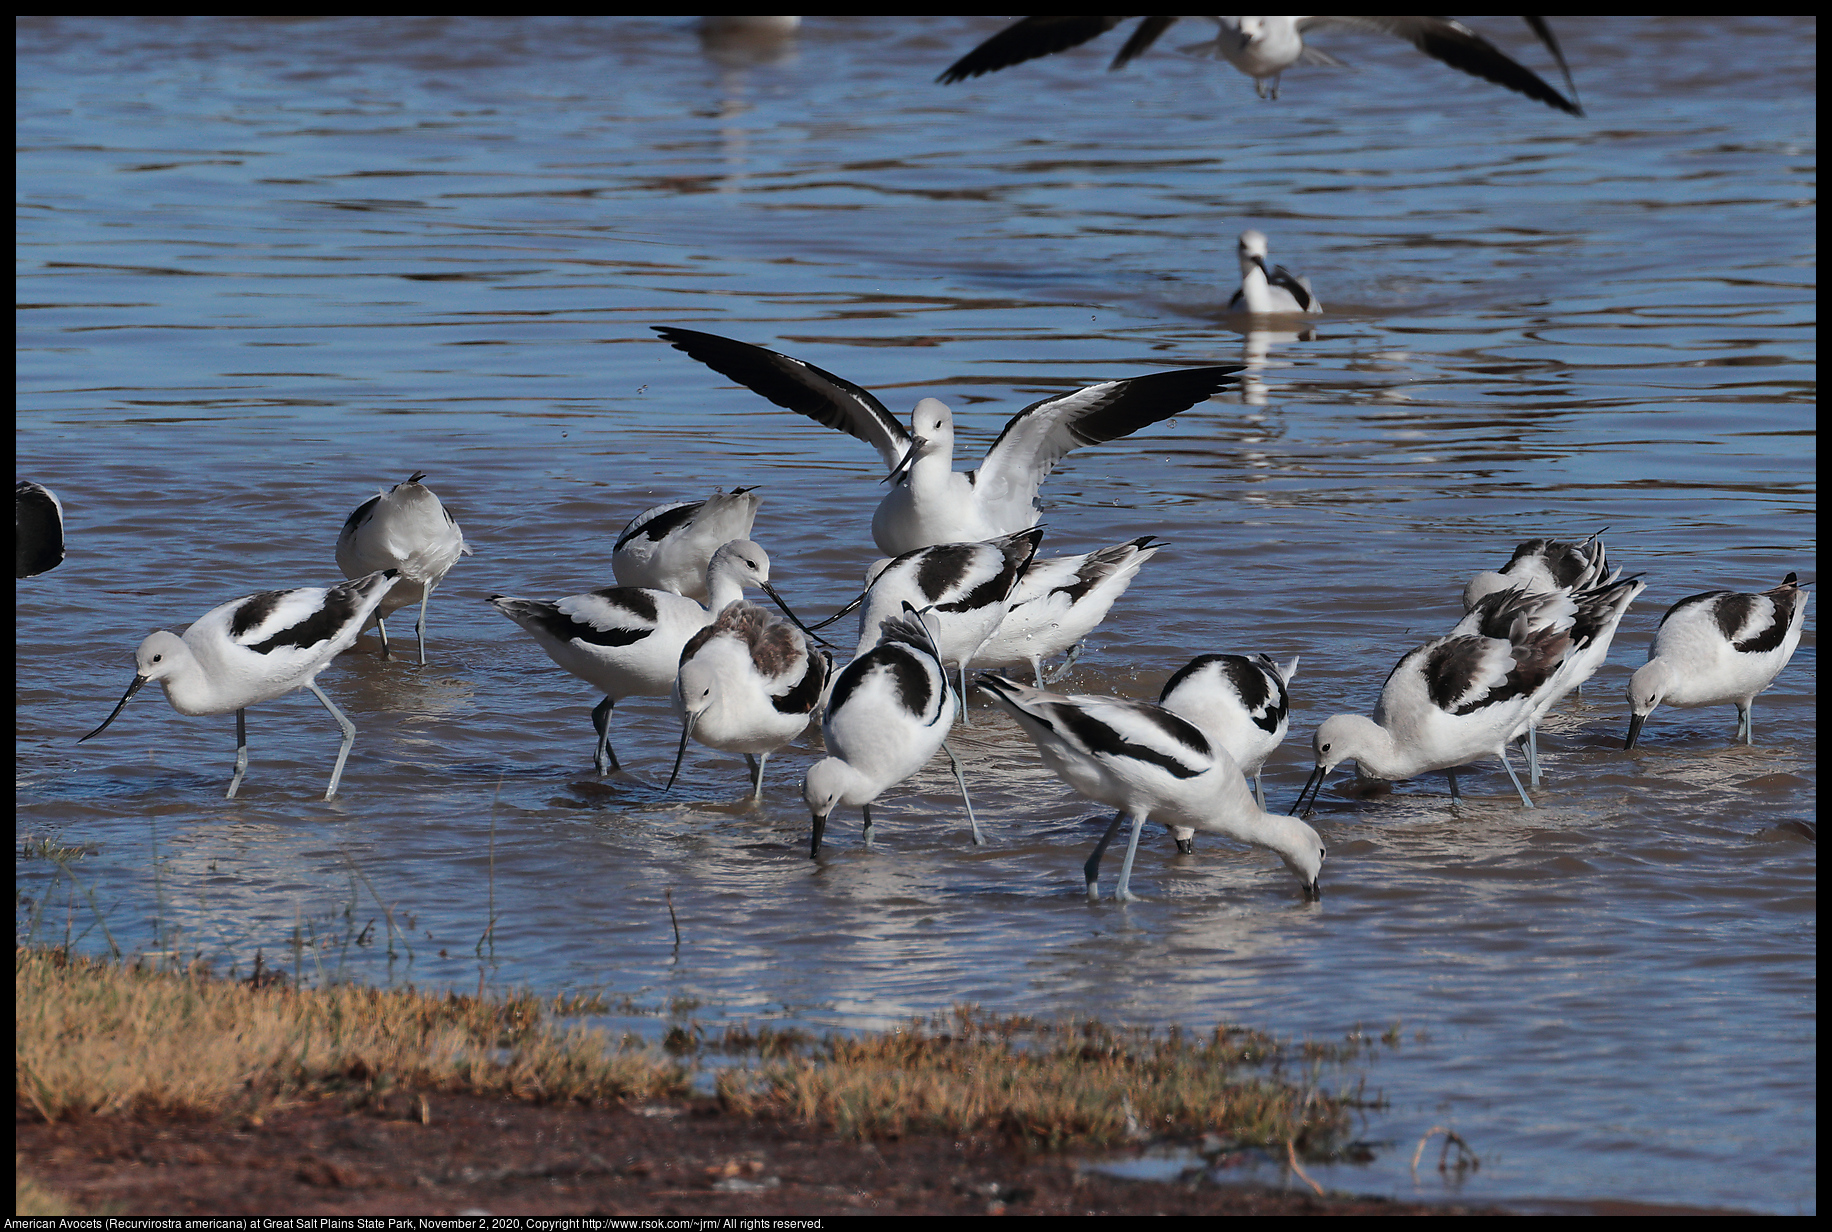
(1720, 648)
(1244, 703)
(965, 588)
(669, 546)
(1269, 291)
(405, 528)
(1545, 565)
(38, 530)
(1264, 47)
(749, 683)
(1151, 763)
(626, 641)
(929, 502)
(1058, 602)
(889, 711)
(1445, 704)
(255, 649)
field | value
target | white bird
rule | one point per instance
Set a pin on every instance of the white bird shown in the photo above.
(1445, 704)
(1269, 292)
(626, 641)
(1264, 47)
(1058, 602)
(38, 530)
(1241, 702)
(255, 649)
(749, 683)
(1716, 649)
(1151, 763)
(1545, 565)
(668, 547)
(404, 528)
(969, 586)
(890, 710)
(1591, 617)
(929, 502)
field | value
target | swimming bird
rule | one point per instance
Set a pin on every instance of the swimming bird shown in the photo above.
(1445, 704)
(1265, 292)
(38, 530)
(626, 641)
(1058, 602)
(404, 528)
(1719, 648)
(1149, 762)
(929, 502)
(1264, 47)
(749, 683)
(1241, 702)
(668, 547)
(968, 586)
(891, 709)
(255, 649)
(1545, 565)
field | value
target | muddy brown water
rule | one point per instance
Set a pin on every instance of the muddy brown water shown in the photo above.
(270, 266)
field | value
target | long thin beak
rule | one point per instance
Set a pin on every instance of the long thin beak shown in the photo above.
(135, 687)
(793, 618)
(844, 612)
(820, 828)
(1261, 262)
(1317, 775)
(1634, 726)
(909, 459)
(1313, 892)
(686, 730)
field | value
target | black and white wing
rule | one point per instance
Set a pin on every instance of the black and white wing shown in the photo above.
(1037, 437)
(829, 400)
(1029, 38)
(301, 621)
(1457, 45)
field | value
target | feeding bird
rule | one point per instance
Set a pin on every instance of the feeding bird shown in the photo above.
(405, 528)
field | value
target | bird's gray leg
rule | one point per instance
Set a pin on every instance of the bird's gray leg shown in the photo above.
(1533, 754)
(757, 764)
(349, 736)
(1068, 664)
(1259, 790)
(419, 628)
(1091, 870)
(241, 752)
(954, 765)
(1122, 894)
(1037, 669)
(1509, 767)
(867, 830)
(601, 721)
(1746, 722)
(1452, 775)
(965, 721)
(381, 627)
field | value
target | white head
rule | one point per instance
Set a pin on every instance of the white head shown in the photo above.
(160, 657)
(1646, 689)
(932, 424)
(743, 561)
(1302, 850)
(1252, 251)
(825, 789)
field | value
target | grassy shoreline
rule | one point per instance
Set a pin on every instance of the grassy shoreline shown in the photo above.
(98, 1038)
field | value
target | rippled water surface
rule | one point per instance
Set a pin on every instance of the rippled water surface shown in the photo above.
(270, 266)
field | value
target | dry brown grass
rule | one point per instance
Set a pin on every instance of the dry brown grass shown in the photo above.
(99, 1038)
(1049, 1084)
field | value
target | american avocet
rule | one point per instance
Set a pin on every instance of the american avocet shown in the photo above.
(404, 528)
(969, 586)
(1241, 702)
(1542, 565)
(1445, 704)
(1264, 47)
(626, 641)
(1717, 649)
(256, 649)
(1058, 602)
(1269, 291)
(929, 502)
(749, 683)
(38, 530)
(891, 709)
(1590, 616)
(1149, 762)
(668, 547)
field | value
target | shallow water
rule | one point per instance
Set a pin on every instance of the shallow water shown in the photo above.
(270, 266)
